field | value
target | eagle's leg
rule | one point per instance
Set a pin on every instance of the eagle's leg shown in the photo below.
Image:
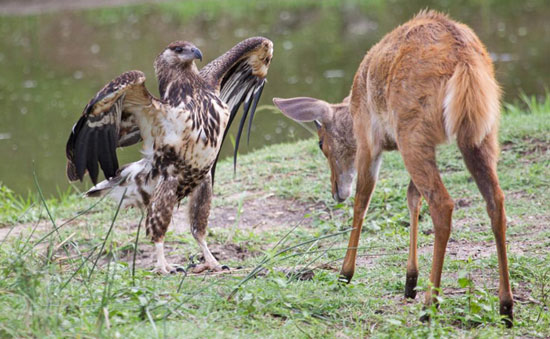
(199, 211)
(159, 215)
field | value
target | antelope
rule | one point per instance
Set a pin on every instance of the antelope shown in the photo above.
(425, 83)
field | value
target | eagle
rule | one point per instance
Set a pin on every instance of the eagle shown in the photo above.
(182, 133)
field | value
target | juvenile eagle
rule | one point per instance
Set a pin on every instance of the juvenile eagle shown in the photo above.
(182, 133)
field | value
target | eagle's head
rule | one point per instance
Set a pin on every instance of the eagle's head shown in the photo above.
(178, 54)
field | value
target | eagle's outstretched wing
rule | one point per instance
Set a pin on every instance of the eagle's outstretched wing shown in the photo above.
(110, 120)
(239, 76)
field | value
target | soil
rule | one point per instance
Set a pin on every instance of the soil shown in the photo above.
(259, 213)
(262, 213)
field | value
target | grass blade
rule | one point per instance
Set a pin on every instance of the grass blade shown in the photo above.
(108, 233)
(63, 224)
(79, 268)
(43, 200)
(263, 262)
(135, 251)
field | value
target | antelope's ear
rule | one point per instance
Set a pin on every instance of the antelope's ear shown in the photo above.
(304, 109)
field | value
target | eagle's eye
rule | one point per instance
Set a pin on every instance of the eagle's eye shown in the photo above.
(178, 49)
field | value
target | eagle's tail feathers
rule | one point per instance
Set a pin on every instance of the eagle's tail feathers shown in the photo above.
(132, 181)
(103, 187)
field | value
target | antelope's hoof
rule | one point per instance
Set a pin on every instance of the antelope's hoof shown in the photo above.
(343, 279)
(507, 311)
(410, 286)
(425, 318)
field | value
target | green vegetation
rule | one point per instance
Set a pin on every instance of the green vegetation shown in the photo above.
(50, 285)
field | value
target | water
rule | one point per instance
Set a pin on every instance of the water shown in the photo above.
(52, 64)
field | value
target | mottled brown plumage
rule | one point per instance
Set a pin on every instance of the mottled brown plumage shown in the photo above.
(182, 132)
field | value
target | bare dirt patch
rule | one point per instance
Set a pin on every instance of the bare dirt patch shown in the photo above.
(463, 203)
(259, 211)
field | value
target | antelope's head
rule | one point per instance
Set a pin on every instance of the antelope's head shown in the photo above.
(336, 140)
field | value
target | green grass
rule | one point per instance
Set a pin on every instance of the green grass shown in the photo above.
(54, 289)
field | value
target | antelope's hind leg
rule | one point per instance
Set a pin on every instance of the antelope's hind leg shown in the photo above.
(419, 158)
(199, 211)
(159, 215)
(482, 163)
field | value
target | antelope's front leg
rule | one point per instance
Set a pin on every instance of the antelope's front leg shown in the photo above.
(414, 202)
(199, 211)
(367, 173)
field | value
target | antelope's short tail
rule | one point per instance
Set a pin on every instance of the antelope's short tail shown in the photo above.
(472, 103)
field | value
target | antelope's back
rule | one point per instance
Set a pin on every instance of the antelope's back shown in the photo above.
(408, 70)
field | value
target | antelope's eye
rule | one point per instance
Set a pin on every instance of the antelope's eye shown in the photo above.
(321, 144)
(178, 49)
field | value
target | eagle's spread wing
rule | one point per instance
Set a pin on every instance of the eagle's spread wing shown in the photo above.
(109, 120)
(239, 75)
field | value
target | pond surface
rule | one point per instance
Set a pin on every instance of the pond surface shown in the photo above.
(52, 64)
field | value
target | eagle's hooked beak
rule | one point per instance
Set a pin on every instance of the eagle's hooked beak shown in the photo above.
(197, 53)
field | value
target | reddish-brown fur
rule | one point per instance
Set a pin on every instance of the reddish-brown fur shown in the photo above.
(428, 81)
